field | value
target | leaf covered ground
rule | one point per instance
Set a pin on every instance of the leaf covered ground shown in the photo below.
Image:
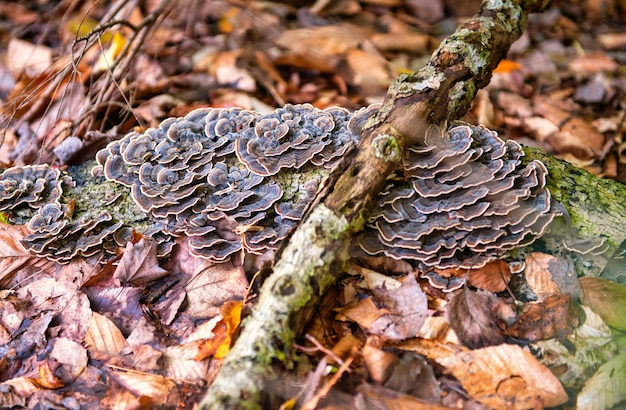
(143, 333)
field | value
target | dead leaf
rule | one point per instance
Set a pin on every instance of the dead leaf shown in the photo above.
(72, 357)
(407, 310)
(70, 307)
(492, 277)
(364, 313)
(412, 375)
(152, 389)
(607, 387)
(378, 361)
(47, 378)
(607, 299)
(33, 59)
(213, 285)
(505, 377)
(139, 264)
(555, 316)
(103, 338)
(13, 256)
(548, 275)
(378, 397)
(471, 315)
(223, 332)
(592, 63)
(318, 48)
(180, 364)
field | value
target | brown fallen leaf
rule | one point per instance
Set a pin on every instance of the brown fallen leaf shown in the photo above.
(492, 277)
(139, 264)
(13, 256)
(370, 396)
(71, 356)
(407, 309)
(555, 316)
(152, 389)
(213, 285)
(505, 377)
(103, 338)
(319, 48)
(70, 306)
(548, 275)
(471, 316)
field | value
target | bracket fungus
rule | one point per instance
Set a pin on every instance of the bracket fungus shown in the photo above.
(213, 175)
(464, 198)
(231, 180)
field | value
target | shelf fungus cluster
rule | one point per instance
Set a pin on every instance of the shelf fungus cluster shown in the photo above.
(34, 191)
(232, 180)
(228, 179)
(463, 199)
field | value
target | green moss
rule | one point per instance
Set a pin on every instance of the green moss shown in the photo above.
(94, 194)
(595, 206)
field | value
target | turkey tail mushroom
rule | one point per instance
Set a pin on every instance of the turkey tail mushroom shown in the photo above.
(468, 200)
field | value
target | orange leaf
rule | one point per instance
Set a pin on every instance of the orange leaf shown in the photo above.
(507, 66)
(46, 378)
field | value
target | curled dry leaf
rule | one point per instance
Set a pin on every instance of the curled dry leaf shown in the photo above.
(505, 377)
(607, 299)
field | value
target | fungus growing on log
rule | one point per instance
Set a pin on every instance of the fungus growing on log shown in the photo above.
(55, 237)
(212, 176)
(464, 200)
(30, 186)
(232, 180)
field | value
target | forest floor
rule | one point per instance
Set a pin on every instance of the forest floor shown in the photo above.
(76, 75)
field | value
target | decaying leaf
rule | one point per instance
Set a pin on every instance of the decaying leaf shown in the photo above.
(151, 389)
(607, 299)
(607, 386)
(13, 256)
(554, 316)
(72, 357)
(548, 275)
(213, 285)
(103, 338)
(505, 377)
(407, 309)
(396, 311)
(471, 315)
(493, 276)
(139, 264)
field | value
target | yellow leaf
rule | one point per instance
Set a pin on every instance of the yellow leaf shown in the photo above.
(107, 58)
(81, 27)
